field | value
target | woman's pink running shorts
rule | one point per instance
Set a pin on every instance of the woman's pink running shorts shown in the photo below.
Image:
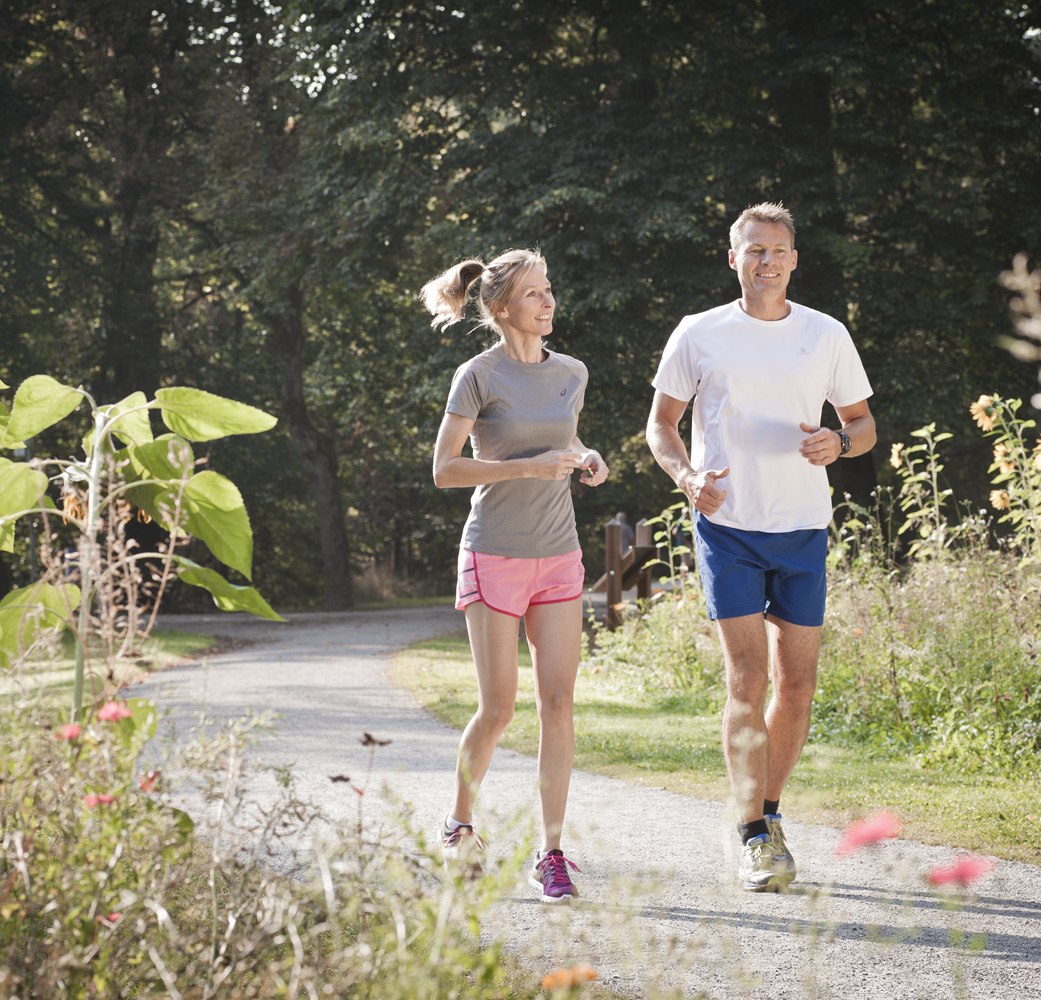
(510, 586)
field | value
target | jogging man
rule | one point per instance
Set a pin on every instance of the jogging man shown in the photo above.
(759, 371)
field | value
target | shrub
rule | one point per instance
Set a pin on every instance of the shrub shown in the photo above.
(666, 645)
(108, 889)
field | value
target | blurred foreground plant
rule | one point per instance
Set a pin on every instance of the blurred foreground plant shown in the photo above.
(93, 585)
(108, 889)
(1025, 307)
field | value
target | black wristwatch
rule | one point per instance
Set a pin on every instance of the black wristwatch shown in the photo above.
(847, 443)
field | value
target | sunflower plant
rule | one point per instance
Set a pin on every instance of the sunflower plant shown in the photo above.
(1015, 471)
(124, 471)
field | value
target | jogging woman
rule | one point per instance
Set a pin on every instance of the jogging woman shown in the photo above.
(518, 404)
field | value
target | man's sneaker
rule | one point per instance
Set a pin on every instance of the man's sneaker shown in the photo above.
(551, 876)
(462, 847)
(776, 834)
(763, 867)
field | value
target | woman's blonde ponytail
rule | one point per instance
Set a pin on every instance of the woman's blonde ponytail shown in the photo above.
(445, 296)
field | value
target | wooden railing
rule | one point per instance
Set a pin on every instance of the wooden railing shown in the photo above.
(625, 570)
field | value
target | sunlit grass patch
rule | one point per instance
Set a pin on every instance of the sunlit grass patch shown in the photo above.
(662, 741)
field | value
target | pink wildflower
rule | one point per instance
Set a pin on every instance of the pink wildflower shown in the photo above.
(113, 711)
(111, 919)
(880, 826)
(149, 782)
(93, 800)
(964, 871)
(68, 731)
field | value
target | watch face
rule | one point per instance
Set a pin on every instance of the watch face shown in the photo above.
(847, 443)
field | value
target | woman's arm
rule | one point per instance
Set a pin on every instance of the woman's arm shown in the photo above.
(451, 469)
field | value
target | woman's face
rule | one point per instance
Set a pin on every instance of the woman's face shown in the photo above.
(530, 307)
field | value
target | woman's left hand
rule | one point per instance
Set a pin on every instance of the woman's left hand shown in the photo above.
(594, 469)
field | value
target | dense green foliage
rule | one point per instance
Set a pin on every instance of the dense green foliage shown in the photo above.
(246, 197)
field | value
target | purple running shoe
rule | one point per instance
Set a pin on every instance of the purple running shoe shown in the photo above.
(462, 848)
(550, 874)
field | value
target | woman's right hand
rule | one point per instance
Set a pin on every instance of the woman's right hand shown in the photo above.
(554, 464)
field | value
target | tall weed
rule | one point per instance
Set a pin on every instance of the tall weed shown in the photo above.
(667, 643)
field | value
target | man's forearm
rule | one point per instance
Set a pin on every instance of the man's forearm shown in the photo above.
(668, 450)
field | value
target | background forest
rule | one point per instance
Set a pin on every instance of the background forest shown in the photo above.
(245, 197)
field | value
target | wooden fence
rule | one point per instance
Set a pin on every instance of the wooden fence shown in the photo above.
(625, 570)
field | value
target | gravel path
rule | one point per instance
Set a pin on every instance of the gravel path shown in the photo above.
(659, 909)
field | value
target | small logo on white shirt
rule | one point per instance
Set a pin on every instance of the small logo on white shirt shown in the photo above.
(805, 350)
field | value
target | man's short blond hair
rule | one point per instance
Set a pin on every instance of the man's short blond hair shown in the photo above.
(766, 211)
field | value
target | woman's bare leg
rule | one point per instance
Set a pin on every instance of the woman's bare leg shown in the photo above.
(554, 634)
(493, 643)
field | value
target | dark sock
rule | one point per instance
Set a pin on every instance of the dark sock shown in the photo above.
(754, 829)
(771, 807)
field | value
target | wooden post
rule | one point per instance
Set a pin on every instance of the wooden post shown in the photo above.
(643, 537)
(613, 566)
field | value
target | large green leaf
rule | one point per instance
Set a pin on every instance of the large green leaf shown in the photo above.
(168, 457)
(148, 497)
(21, 488)
(162, 465)
(129, 419)
(216, 515)
(28, 611)
(227, 596)
(5, 418)
(39, 403)
(202, 416)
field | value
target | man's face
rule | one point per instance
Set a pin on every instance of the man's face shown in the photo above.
(764, 259)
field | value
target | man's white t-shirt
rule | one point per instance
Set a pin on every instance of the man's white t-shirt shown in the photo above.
(753, 382)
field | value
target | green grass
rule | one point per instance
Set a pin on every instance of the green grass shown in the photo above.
(163, 648)
(657, 741)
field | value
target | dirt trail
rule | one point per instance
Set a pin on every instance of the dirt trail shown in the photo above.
(659, 906)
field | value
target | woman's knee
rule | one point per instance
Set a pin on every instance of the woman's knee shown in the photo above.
(494, 718)
(557, 707)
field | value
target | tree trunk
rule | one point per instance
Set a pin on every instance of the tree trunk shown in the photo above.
(809, 187)
(130, 317)
(317, 455)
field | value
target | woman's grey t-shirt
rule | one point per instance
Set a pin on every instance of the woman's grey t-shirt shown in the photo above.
(520, 410)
